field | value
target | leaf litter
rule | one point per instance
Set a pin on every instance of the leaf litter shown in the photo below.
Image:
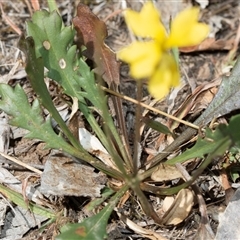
(217, 59)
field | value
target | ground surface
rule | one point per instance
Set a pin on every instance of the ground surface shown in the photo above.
(198, 67)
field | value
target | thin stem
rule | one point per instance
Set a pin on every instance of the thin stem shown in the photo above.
(137, 129)
(151, 108)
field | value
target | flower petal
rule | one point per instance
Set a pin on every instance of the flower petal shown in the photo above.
(142, 57)
(146, 23)
(165, 77)
(186, 30)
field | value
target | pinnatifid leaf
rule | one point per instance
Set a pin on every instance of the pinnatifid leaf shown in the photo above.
(14, 102)
(35, 72)
(54, 43)
(213, 139)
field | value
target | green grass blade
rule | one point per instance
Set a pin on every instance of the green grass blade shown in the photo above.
(19, 200)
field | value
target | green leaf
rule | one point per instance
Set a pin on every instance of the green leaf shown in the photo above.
(233, 130)
(93, 228)
(203, 145)
(14, 102)
(212, 139)
(19, 200)
(54, 42)
(35, 71)
(157, 126)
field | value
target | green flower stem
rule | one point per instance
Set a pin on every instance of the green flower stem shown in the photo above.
(137, 128)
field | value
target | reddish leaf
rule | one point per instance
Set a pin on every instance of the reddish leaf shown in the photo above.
(92, 33)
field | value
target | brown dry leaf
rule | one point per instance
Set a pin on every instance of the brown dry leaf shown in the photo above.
(165, 172)
(146, 233)
(210, 44)
(194, 103)
(180, 208)
(197, 101)
(92, 33)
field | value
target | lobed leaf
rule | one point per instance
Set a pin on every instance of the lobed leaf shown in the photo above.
(53, 42)
(213, 139)
(15, 103)
(35, 71)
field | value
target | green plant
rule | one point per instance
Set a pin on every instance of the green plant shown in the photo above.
(49, 44)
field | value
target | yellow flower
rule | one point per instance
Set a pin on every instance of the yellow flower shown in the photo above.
(151, 58)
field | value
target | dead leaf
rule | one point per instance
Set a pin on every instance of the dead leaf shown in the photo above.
(146, 233)
(197, 101)
(95, 147)
(210, 44)
(180, 208)
(92, 33)
(165, 172)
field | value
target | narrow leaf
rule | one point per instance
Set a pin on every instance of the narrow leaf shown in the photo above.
(19, 200)
(228, 133)
(157, 126)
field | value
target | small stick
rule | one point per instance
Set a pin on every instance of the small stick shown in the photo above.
(21, 163)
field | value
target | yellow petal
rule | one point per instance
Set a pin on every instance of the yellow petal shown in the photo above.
(165, 77)
(142, 58)
(186, 30)
(146, 23)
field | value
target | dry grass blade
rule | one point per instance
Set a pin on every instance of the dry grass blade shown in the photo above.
(21, 163)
